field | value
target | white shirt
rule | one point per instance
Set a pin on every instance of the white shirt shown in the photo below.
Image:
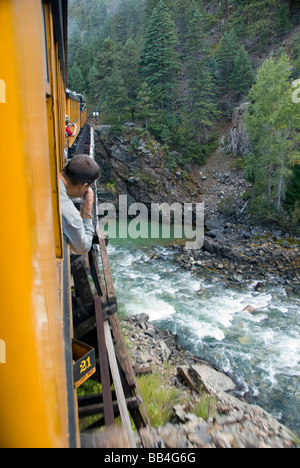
(78, 231)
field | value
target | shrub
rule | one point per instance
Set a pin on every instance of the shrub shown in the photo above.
(159, 399)
(227, 206)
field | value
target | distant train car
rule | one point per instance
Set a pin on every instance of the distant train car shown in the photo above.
(77, 114)
(83, 111)
(73, 113)
(37, 403)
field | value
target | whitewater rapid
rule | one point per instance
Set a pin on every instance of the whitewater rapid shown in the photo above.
(260, 351)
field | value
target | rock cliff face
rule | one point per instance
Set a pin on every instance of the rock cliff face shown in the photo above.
(137, 166)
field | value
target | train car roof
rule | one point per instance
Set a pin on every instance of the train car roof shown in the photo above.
(71, 95)
(81, 97)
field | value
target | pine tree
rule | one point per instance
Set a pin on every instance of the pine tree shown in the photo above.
(116, 96)
(182, 10)
(282, 19)
(261, 19)
(225, 58)
(273, 123)
(200, 103)
(102, 70)
(106, 59)
(127, 20)
(144, 103)
(128, 64)
(293, 190)
(76, 81)
(92, 88)
(159, 62)
(242, 76)
(238, 18)
(151, 4)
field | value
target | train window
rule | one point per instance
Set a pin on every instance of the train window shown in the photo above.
(2, 352)
(2, 92)
(47, 76)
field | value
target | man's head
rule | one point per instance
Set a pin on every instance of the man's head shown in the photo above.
(82, 169)
(79, 174)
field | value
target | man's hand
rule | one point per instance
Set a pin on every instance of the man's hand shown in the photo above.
(87, 204)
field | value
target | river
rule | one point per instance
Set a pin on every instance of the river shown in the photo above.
(259, 351)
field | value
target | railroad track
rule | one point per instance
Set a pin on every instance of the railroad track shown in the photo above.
(83, 141)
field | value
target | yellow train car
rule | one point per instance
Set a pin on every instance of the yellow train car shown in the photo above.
(73, 112)
(83, 111)
(77, 113)
(37, 401)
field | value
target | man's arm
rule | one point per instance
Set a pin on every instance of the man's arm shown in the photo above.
(78, 228)
(80, 235)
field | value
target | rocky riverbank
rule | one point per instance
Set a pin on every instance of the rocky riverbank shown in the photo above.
(230, 423)
(237, 255)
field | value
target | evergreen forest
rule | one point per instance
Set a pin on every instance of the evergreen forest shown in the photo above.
(178, 68)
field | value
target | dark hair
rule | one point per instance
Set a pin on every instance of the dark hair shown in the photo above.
(82, 169)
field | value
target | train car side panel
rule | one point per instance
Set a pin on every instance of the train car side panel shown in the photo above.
(55, 107)
(33, 397)
(83, 110)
